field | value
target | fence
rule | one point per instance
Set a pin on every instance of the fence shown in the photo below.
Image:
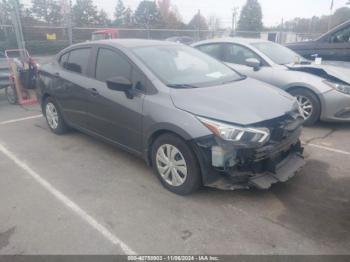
(51, 39)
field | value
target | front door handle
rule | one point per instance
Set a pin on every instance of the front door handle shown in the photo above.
(94, 91)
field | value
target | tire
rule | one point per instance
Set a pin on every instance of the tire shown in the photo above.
(11, 94)
(308, 97)
(177, 181)
(54, 117)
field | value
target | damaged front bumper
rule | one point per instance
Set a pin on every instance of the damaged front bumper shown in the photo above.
(249, 168)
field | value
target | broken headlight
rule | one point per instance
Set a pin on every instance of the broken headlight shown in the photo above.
(242, 136)
(344, 88)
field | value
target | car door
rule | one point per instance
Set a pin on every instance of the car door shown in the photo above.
(236, 55)
(69, 85)
(336, 46)
(112, 114)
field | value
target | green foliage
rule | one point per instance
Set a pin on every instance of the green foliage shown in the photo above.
(119, 14)
(102, 18)
(251, 17)
(85, 13)
(147, 14)
(48, 11)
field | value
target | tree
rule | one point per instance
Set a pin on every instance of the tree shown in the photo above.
(198, 22)
(128, 17)
(147, 14)
(102, 18)
(119, 13)
(251, 17)
(85, 13)
(170, 17)
(48, 11)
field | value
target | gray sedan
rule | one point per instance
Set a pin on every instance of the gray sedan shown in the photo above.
(323, 91)
(187, 115)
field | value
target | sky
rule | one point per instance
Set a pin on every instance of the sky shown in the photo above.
(273, 10)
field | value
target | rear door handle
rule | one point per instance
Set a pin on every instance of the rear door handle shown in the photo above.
(94, 91)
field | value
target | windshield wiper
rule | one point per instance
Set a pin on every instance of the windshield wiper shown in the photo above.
(179, 86)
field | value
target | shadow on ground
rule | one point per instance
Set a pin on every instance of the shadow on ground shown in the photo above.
(316, 205)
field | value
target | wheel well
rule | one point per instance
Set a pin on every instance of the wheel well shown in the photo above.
(43, 98)
(307, 89)
(153, 138)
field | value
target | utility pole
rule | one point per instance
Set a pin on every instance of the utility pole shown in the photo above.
(69, 24)
(330, 15)
(16, 20)
(234, 19)
(199, 24)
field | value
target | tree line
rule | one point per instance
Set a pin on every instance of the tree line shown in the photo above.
(159, 14)
(153, 14)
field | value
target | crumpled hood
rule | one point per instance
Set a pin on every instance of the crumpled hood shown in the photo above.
(325, 71)
(244, 102)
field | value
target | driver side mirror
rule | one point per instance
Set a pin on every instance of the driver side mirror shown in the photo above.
(254, 63)
(120, 84)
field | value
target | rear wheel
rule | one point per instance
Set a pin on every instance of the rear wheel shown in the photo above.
(11, 94)
(54, 117)
(175, 165)
(309, 104)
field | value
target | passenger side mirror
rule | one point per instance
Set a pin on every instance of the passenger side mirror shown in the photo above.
(119, 83)
(254, 63)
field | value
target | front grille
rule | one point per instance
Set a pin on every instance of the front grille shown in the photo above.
(282, 127)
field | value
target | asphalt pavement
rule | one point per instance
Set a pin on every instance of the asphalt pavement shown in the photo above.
(73, 194)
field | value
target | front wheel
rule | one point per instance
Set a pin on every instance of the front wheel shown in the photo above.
(309, 104)
(11, 94)
(176, 165)
(54, 117)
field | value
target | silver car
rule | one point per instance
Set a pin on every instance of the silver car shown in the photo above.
(323, 91)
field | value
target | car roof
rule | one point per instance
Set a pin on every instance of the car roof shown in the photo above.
(127, 43)
(236, 40)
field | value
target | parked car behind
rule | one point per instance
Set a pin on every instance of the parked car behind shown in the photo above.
(323, 91)
(333, 45)
(192, 118)
(186, 40)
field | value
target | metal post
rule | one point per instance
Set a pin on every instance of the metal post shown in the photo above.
(199, 24)
(330, 16)
(69, 24)
(16, 20)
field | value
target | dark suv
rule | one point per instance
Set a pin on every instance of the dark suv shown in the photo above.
(334, 45)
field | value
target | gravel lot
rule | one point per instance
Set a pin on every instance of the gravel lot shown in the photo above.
(73, 194)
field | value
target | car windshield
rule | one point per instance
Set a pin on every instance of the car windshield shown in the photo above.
(185, 67)
(279, 54)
